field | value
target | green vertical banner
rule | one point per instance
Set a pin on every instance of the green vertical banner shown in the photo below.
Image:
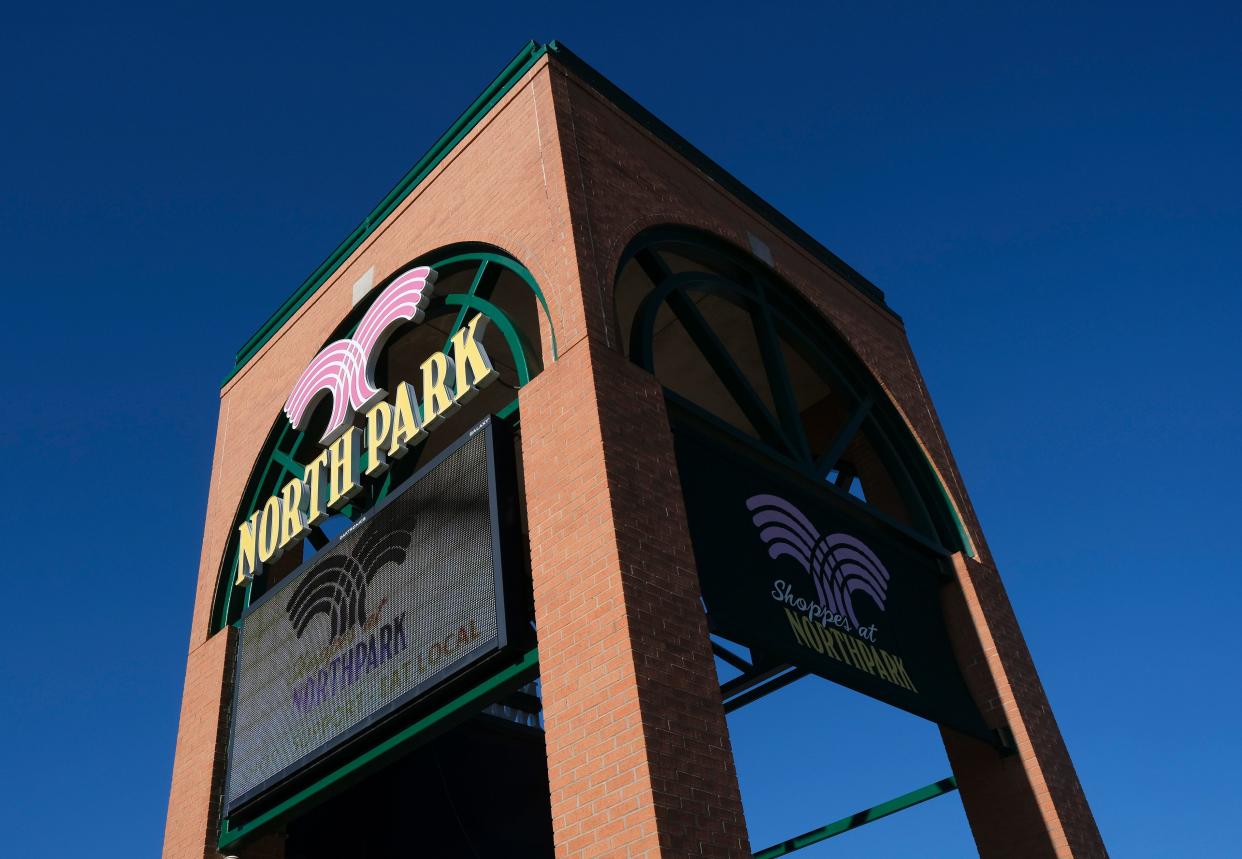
(795, 571)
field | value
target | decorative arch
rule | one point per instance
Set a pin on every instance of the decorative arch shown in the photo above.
(471, 278)
(742, 354)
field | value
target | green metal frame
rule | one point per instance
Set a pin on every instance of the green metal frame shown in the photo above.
(861, 818)
(278, 463)
(778, 314)
(494, 688)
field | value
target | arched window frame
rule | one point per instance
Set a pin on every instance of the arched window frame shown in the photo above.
(777, 309)
(278, 462)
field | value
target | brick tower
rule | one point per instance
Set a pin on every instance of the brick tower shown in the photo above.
(651, 326)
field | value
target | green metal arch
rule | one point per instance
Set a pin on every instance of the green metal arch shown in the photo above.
(780, 313)
(277, 463)
(517, 344)
(521, 271)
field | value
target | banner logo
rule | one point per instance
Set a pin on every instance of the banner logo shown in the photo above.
(345, 369)
(359, 644)
(338, 589)
(839, 565)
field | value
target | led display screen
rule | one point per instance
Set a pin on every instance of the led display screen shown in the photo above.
(406, 599)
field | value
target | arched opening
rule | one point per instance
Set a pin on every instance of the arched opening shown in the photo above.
(396, 747)
(471, 279)
(741, 354)
(819, 528)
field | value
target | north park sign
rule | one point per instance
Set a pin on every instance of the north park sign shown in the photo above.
(344, 371)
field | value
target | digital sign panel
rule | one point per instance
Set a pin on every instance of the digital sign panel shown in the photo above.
(406, 599)
(806, 577)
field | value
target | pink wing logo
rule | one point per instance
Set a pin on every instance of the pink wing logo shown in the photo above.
(345, 369)
(839, 565)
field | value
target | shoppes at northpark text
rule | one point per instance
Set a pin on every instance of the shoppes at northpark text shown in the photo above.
(391, 429)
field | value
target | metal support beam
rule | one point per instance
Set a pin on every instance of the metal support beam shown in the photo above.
(845, 824)
(732, 658)
(742, 693)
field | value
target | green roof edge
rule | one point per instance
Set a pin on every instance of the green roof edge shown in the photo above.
(462, 126)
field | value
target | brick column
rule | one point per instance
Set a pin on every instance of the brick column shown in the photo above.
(639, 761)
(192, 828)
(1029, 803)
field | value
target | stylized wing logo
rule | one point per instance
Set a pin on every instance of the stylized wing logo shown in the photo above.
(345, 369)
(838, 564)
(338, 589)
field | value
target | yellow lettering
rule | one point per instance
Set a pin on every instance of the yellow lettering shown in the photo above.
(437, 401)
(829, 648)
(406, 425)
(864, 653)
(379, 430)
(293, 512)
(881, 666)
(247, 547)
(344, 462)
(269, 530)
(473, 368)
(316, 490)
(849, 647)
(800, 634)
(899, 669)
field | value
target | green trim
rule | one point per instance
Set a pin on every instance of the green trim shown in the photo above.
(672, 291)
(293, 467)
(461, 314)
(968, 545)
(521, 271)
(456, 132)
(861, 818)
(498, 318)
(508, 678)
(845, 435)
(778, 319)
(284, 442)
(778, 374)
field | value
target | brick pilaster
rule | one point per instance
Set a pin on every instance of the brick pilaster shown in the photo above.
(639, 760)
(198, 767)
(1029, 803)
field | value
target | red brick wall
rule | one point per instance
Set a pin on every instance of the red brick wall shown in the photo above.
(198, 767)
(639, 754)
(622, 180)
(638, 751)
(1029, 803)
(504, 185)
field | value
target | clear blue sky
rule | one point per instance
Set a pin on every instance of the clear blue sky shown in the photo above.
(1050, 199)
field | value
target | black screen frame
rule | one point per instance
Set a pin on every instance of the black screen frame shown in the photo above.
(502, 489)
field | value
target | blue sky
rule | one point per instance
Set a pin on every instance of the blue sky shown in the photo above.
(1050, 199)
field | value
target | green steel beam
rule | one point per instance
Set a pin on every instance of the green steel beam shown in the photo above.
(844, 436)
(751, 694)
(507, 679)
(861, 818)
